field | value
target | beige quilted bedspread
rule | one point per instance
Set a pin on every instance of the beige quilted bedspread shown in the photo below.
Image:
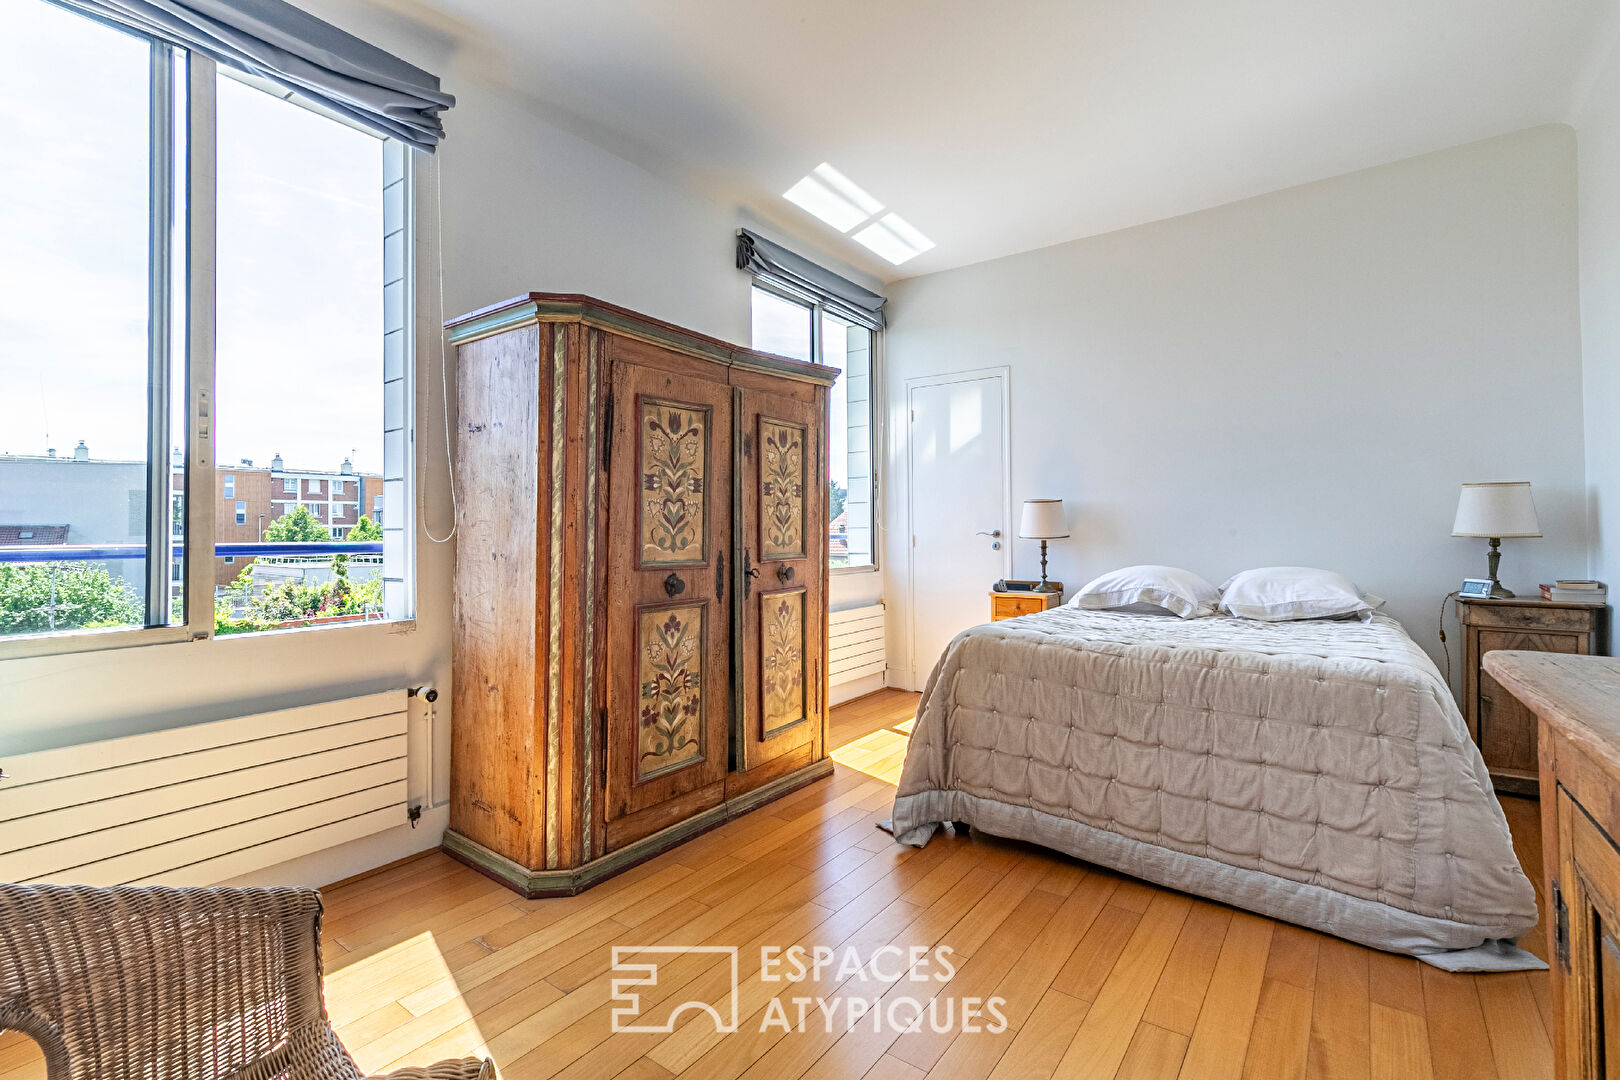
(1316, 771)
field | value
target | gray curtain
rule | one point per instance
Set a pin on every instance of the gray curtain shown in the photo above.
(775, 264)
(295, 50)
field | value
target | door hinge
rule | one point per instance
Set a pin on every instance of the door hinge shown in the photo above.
(1560, 927)
(607, 434)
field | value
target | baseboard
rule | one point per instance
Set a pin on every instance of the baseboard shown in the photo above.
(533, 883)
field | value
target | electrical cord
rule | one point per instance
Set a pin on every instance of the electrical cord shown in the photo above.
(1445, 648)
(444, 378)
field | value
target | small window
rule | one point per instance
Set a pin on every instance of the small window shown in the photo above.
(337, 532)
(26, 534)
(241, 513)
(289, 486)
(316, 487)
(229, 559)
(803, 331)
(337, 487)
(230, 485)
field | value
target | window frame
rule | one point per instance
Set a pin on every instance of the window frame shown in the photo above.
(818, 311)
(195, 365)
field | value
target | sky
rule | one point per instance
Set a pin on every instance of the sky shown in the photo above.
(299, 334)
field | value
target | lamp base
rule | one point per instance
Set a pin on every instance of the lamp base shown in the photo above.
(1493, 559)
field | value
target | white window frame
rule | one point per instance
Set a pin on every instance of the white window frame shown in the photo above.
(875, 396)
(197, 370)
(241, 512)
(289, 485)
(230, 485)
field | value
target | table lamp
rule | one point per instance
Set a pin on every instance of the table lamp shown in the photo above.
(1495, 510)
(1043, 521)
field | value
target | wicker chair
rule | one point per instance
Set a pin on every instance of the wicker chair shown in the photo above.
(175, 984)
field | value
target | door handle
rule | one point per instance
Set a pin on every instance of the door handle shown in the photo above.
(720, 576)
(750, 572)
(784, 573)
(673, 585)
(991, 532)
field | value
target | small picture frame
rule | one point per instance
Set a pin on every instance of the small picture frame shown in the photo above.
(1475, 589)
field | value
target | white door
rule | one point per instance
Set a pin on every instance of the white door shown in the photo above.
(959, 516)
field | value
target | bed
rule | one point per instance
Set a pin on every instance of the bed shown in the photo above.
(1317, 771)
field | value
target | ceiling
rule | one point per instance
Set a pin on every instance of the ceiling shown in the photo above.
(996, 128)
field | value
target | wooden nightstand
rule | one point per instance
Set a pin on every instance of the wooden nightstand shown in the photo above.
(1010, 605)
(1504, 729)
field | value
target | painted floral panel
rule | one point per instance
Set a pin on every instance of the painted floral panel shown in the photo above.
(782, 659)
(670, 673)
(674, 448)
(781, 489)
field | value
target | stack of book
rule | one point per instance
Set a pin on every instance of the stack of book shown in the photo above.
(1576, 591)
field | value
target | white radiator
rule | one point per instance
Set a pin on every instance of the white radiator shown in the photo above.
(855, 646)
(199, 805)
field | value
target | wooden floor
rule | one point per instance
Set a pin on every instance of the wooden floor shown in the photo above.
(1102, 976)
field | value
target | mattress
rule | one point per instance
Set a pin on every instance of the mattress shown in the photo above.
(1316, 771)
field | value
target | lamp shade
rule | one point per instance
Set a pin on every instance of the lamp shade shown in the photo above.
(1042, 520)
(1496, 510)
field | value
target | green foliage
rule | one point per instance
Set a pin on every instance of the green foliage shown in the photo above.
(79, 595)
(293, 602)
(365, 529)
(835, 502)
(298, 527)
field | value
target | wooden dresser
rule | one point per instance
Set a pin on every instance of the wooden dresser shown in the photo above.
(1577, 702)
(641, 581)
(1504, 729)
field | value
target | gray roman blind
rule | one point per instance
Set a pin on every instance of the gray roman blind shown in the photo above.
(776, 265)
(294, 49)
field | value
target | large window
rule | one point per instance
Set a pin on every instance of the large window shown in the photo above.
(800, 329)
(93, 247)
(304, 222)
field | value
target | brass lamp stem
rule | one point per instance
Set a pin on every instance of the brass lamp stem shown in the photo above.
(1495, 559)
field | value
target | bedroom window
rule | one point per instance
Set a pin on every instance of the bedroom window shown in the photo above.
(803, 330)
(304, 218)
(92, 334)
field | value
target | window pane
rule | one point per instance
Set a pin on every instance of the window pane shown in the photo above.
(848, 348)
(781, 326)
(304, 298)
(77, 335)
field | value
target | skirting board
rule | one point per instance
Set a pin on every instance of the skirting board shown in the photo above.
(534, 884)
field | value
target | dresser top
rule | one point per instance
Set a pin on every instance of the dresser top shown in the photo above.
(1530, 602)
(1579, 695)
(531, 308)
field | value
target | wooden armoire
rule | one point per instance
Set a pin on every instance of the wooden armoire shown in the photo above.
(641, 582)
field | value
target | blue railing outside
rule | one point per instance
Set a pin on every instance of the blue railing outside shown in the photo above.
(45, 553)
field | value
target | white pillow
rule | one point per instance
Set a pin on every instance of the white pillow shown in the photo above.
(1157, 589)
(1284, 593)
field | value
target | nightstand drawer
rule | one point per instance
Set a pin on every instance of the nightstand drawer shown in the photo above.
(1523, 618)
(1010, 605)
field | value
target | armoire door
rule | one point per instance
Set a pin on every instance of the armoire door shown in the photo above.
(669, 627)
(1588, 928)
(783, 553)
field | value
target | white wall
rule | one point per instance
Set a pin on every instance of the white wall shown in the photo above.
(1598, 128)
(526, 205)
(1300, 378)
